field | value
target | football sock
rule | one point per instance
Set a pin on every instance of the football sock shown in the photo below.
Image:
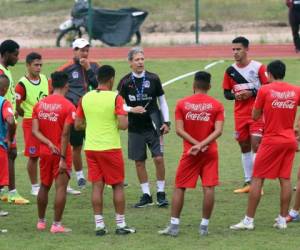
(248, 220)
(145, 188)
(160, 186)
(99, 221)
(204, 222)
(293, 213)
(174, 221)
(79, 174)
(120, 220)
(57, 223)
(247, 165)
(13, 191)
(281, 220)
(34, 186)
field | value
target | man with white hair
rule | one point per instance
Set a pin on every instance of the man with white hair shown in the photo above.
(82, 77)
(142, 91)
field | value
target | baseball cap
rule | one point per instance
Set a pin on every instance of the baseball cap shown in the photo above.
(80, 43)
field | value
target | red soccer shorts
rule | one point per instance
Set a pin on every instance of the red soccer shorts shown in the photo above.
(245, 127)
(107, 165)
(191, 167)
(274, 161)
(3, 167)
(32, 144)
(49, 167)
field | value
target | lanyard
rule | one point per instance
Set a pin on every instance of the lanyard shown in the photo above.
(139, 95)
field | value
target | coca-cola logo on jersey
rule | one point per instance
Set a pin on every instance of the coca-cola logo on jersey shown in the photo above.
(198, 106)
(283, 104)
(53, 117)
(203, 116)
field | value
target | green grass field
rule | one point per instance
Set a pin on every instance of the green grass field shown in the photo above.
(170, 10)
(229, 208)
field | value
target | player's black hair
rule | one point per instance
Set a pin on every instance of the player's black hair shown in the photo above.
(33, 56)
(105, 73)
(9, 46)
(276, 69)
(59, 79)
(242, 40)
(202, 80)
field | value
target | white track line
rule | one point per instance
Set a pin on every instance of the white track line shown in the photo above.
(206, 67)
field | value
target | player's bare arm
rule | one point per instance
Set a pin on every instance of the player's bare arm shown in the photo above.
(19, 109)
(79, 123)
(11, 127)
(203, 145)
(65, 138)
(179, 128)
(36, 132)
(122, 122)
(256, 114)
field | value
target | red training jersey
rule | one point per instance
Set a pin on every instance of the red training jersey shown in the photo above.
(250, 77)
(278, 102)
(199, 113)
(52, 113)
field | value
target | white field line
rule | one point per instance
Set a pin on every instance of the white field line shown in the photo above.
(206, 67)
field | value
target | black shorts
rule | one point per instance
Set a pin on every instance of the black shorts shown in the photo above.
(138, 142)
(76, 137)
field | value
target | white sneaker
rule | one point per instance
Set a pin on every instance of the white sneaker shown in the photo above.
(280, 225)
(3, 213)
(242, 226)
(35, 191)
(73, 191)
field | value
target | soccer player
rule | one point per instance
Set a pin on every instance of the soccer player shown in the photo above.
(278, 102)
(29, 90)
(199, 122)
(141, 89)
(9, 51)
(101, 112)
(7, 132)
(52, 119)
(82, 77)
(241, 83)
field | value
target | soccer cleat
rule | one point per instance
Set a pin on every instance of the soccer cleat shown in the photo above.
(145, 200)
(244, 189)
(242, 226)
(17, 199)
(290, 218)
(161, 199)
(4, 195)
(35, 191)
(81, 183)
(203, 230)
(3, 213)
(279, 225)
(73, 191)
(59, 229)
(2, 230)
(100, 231)
(171, 230)
(41, 225)
(125, 230)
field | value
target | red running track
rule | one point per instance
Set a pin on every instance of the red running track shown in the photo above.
(176, 52)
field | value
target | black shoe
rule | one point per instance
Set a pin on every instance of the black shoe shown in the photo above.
(81, 183)
(146, 200)
(125, 230)
(161, 199)
(100, 231)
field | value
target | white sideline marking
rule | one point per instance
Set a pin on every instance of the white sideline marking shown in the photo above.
(208, 66)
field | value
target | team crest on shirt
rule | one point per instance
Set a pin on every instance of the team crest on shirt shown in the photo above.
(75, 75)
(32, 150)
(147, 84)
(132, 98)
